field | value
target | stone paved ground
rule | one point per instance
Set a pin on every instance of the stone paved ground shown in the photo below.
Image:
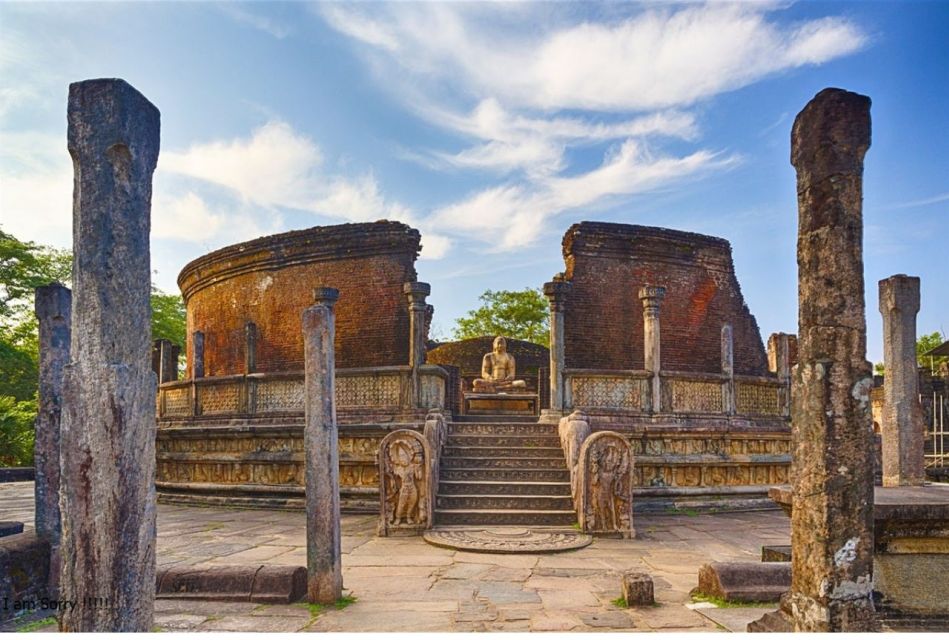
(405, 584)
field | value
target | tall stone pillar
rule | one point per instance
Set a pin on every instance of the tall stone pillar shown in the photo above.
(320, 443)
(651, 297)
(903, 428)
(197, 354)
(728, 369)
(832, 468)
(556, 292)
(165, 360)
(107, 481)
(416, 292)
(53, 306)
(780, 358)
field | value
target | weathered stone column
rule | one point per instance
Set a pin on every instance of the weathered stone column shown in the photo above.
(903, 428)
(320, 443)
(167, 365)
(250, 347)
(53, 305)
(728, 369)
(108, 425)
(832, 468)
(652, 297)
(556, 292)
(197, 354)
(416, 292)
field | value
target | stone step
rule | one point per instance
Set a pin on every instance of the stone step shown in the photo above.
(510, 475)
(501, 452)
(517, 503)
(504, 440)
(489, 517)
(502, 428)
(503, 488)
(513, 462)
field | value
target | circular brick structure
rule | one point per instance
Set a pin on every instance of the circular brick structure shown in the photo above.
(270, 281)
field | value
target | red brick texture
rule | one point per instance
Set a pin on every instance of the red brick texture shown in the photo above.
(608, 263)
(269, 281)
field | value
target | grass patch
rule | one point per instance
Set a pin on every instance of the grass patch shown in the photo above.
(721, 603)
(344, 602)
(619, 602)
(316, 609)
(575, 525)
(36, 624)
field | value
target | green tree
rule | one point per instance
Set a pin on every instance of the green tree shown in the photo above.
(927, 342)
(16, 431)
(522, 315)
(168, 317)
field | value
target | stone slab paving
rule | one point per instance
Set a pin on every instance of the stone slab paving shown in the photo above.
(405, 584)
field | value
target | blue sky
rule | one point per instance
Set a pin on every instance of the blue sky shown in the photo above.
(492, 127)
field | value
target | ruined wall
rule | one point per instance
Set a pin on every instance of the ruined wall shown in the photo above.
(607, 263)
(270, 281)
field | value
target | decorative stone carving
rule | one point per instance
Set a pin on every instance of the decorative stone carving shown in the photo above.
(573, 430)
(606, 484)
(405, 483)
(497, 370)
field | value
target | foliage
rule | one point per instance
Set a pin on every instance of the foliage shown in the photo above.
(23, 267)
(168, 317)
(619, 602)
(16, 431)
(522, 315)
(926, 342)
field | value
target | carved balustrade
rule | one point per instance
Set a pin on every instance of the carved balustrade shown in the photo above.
(378, 389)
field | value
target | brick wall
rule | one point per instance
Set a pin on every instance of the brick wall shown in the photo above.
(608, 263)
(270, 281)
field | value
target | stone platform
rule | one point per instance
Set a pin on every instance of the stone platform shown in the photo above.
(507, 540)
(508, 404)
(405, 584)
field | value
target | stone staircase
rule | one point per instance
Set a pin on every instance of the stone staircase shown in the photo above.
(503, 471)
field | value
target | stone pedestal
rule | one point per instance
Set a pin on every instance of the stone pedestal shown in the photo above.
(831, 525)
(903, 427)
(501, 404)
(108, 424)
(321, 448)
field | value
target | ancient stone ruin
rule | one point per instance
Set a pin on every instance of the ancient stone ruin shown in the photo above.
(605, 485)
(406, 465)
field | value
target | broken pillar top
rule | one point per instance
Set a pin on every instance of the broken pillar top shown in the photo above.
(109, 111)
(326, 295)
(899, 292)
(831, 134)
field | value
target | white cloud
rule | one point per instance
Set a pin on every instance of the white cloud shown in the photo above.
(262, 23)
(660, 57)
(514, 215)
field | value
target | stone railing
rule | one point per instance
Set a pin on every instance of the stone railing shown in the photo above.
(629, 391)
(256, 394)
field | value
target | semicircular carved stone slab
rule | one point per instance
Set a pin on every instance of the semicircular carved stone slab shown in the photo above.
(405, 483)
(605, 476)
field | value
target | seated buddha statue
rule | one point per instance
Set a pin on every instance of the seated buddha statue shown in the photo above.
(497, 371)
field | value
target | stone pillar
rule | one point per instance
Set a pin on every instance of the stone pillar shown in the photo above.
(780, 360)
(556, 292)
(416, 292)
(320, 443)
(53, 313)
(728, 369)
(250, 347)
(197, 354)
(903, 428)
(832, 468)
(108, 424)
(652, 297)
(167, 361)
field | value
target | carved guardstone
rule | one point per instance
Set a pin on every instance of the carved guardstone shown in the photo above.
(606, 485)
(108, 424)
(405, 483)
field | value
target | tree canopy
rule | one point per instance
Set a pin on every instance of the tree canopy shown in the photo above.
(23, 267)
(522, 315)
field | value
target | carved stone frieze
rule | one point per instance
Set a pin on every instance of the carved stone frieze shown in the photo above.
(606, 484)
(758, 399)
(369, 391)
(277, 396)
(607, 392)
(692, 396)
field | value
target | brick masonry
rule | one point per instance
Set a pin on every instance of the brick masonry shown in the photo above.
(607, 264)
(270, 280)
